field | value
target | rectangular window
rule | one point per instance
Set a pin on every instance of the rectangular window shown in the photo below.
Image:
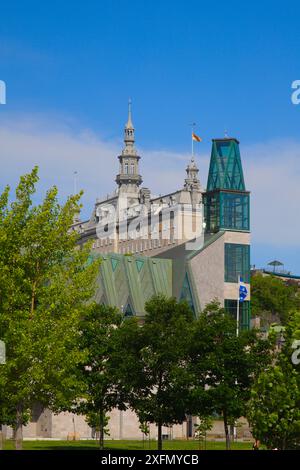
(231, 307)
(226, 211)
(212, 212)
(237, 262)
(234, 211)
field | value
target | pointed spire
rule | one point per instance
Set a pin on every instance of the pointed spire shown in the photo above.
(129, 178)
(129, 134)
(129, 124)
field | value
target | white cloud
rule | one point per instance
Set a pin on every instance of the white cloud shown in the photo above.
(272, 173)
(272, 170)
(59, 151)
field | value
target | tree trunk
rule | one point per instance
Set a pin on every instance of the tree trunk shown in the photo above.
(227, 436)
(33, 295)
(1, 437)
(101, 428)
(19, 428)
(159, 437)
(232, 432)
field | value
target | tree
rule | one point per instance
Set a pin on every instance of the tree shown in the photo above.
(99, 330)
(99, 423)
(272, 299)
(274, 408)
(6, 413)
(154, 363)
(224, 365)
(45, 283)
(205, 424)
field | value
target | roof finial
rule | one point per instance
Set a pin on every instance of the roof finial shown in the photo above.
(129, 124)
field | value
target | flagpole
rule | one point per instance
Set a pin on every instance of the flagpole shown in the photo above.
(192, 148)
(193, 127)
(238, 309)
(237, 334)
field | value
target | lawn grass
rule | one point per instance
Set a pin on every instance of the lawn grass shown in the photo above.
(126, 445)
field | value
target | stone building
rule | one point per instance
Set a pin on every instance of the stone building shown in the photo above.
(193, 244)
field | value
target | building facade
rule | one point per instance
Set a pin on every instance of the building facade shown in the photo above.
(193, 244)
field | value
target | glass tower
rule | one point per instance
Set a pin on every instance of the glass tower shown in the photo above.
(226, 206)
(226, 200)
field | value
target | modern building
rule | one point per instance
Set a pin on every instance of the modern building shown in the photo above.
(193, 244)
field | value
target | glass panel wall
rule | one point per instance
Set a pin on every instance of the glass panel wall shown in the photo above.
(245, 315)
(237, 262)
(226, 211)
(234, 211)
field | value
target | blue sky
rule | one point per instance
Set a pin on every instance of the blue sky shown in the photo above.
(70, 67)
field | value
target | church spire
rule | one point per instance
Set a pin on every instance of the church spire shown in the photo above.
(129, 124)
(129, 178)
(129, 134)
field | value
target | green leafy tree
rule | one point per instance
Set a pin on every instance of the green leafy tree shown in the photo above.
(224, 365)
(6, 414)
(97, 423)
(272, 299)
(205, 424)
(154, 363)
(274, 408)
(45, 284)
(99, 331)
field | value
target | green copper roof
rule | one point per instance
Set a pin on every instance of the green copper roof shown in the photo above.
(225, 171)
(114, 263)
(139, 264)
(129, 281)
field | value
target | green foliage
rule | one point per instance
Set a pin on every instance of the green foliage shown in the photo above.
(99, 332)
(93, 420)
(272, 298)
(204, 425)
(45, 283)
(154, 362)
(145, 428)
(274, 408)
(224, 365)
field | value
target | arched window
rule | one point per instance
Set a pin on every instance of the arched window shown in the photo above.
(132, 168)
(126, 168)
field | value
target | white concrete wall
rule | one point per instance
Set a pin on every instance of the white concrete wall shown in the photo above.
(208, 271)
(125, 425)
(64, 424)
